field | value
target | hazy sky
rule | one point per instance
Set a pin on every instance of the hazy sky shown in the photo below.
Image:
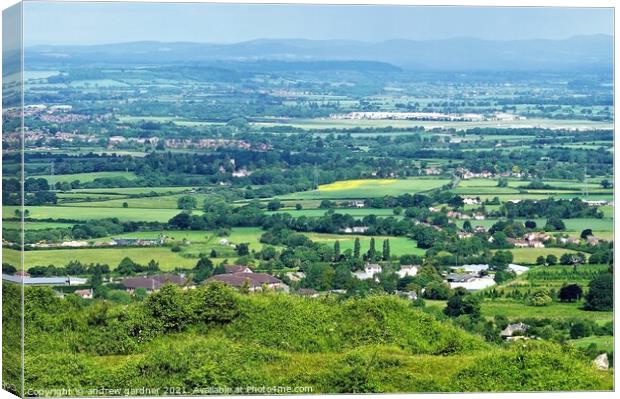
(88, 23)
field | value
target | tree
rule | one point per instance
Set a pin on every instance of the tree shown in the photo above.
(502, 182)
(600, 294)
(580, 329)
(606, 183)
(356, 248)
(125, 205)
(372, 252)
(213, 253)
(586, 233)
(570, 293)
(552, 260)
(500, 260)
(540, 260)
(187, 203)
(243, 249)
(467, 226)
(274, 205)
(169, 307)
(216, 303)
(203, 269)
(437, 290)
(554, 223)
(530, 224)
(386, 249)
(299, 207)
(462, 303)
(336, 251)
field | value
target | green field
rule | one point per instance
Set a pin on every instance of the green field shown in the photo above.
(35, 225)
(88, 177)
(605, 343)
(167, 259)
(161, 202)
(369, 188)
(88, 213)
(398, 245)
(529, 255)
(133, 190)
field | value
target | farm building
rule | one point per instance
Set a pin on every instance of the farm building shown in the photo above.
(474, 283)
(231, 269)
(512, 328)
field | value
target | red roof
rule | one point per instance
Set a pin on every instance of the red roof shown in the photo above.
(153, 282)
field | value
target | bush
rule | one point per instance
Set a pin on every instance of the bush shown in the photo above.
(539, 298)
(531, 366)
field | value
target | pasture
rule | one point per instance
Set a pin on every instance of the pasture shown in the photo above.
(529, 255)
(369, 188)
(89, 213)
(88, 177)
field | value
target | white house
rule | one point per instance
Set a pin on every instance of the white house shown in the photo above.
(368, 272)
(407, 270)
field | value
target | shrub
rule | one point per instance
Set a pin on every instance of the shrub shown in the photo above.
(539, 298)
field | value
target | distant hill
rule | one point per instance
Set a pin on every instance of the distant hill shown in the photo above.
(580, 53)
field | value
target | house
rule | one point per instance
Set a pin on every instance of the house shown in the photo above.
(518, 243)
(463, 234)
(479, 216)
(471, 201)
(86, 294)
(407, 270)
(231, 269)
(21, 274)
(537, 236)
(480, 229)
(253, 281)
(153, 283)
(592, 240)
(412, 295)
(223, 241)
(357, 204)
(355, 229)
(513, 328)
(368, 272)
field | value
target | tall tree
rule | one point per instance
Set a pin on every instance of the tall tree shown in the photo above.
(386, 249)
(372, 251)
(356, 248)
(337, 251)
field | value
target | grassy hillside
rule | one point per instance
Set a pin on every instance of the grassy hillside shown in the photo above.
(214, 337)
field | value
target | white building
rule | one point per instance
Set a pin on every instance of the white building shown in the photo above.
(368, 272)
(407, 270)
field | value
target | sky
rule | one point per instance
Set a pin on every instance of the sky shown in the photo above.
(98, 23)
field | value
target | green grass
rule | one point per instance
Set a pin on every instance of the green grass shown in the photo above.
(398, 245)
(369, 188)
(88, 177)
(167, 259)
(88, 213)
(133, 190)
(513, 310)
(529, 255)
(605, 343)
(36, 225)
(162, 202)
